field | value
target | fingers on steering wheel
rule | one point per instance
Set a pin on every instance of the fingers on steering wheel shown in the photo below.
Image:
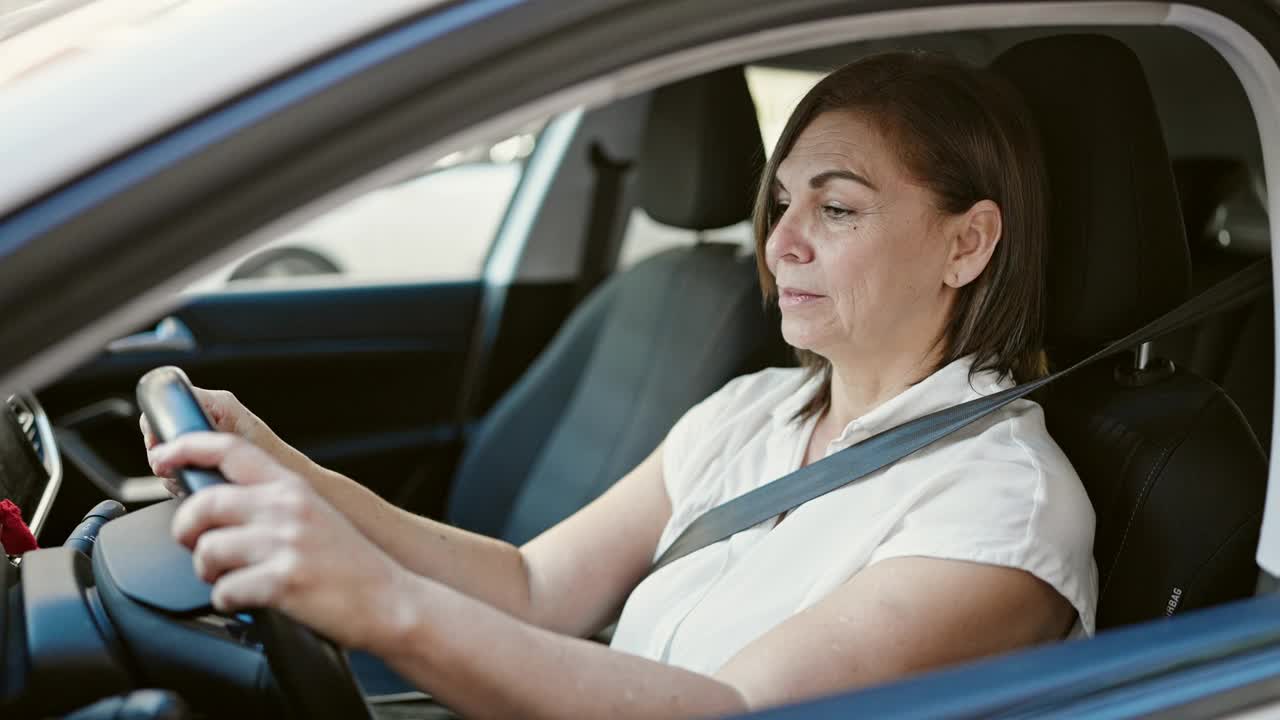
(240, 461)
(254, 586)
(197, 449)
(148, 438)
(211, 508)
(227, 549)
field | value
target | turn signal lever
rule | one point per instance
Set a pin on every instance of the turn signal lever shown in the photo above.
(86, 533)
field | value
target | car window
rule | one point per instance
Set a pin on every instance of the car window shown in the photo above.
(775, 92)
(435, 227)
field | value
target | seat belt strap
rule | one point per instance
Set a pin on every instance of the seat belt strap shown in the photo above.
(599, 249)
(859, 460)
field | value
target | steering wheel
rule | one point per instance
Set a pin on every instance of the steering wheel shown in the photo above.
(41, 466)
(312, 672)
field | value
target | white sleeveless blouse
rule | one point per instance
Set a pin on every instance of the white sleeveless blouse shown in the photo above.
(999, 492)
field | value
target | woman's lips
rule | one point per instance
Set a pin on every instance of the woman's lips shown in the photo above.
(792, 297)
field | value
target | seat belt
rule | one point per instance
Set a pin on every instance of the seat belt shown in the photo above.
(610, 181)
(857, 461)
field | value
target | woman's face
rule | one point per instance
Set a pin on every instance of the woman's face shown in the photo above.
(860, 253)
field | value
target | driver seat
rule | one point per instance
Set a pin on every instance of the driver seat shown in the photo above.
(1175, 474)
(644, 346)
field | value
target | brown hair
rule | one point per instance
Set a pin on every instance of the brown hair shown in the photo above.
(963, 133)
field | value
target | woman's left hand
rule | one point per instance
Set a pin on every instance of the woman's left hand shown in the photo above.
(266, 539)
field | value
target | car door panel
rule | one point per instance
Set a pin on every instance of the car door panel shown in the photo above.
(362, 379)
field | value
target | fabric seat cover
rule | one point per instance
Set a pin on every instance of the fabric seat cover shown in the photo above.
(647, 344)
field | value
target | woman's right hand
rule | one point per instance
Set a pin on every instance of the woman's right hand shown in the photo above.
(228, 416)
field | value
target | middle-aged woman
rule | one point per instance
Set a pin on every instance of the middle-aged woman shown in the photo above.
(901, 227)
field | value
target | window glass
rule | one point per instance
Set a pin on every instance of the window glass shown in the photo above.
(776, 92)
(436, 227)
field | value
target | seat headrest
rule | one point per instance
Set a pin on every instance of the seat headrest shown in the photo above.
(702, 153)
(1118, 252)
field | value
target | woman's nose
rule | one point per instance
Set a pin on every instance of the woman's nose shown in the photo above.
(788, 241)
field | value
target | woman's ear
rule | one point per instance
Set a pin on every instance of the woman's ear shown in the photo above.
(974, 235)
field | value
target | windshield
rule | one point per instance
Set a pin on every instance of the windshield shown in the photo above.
(37, 34)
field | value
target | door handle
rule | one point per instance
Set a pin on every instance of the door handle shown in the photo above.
(171, 334)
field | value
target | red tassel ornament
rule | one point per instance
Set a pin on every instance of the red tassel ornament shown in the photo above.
(14, 533)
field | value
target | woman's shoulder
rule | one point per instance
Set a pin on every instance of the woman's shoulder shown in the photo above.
(1004, 492)
(1018, 434)
(1019, 457)
(767, 386)
(753, 395)
(1011, 454)
(735, 416)
(770, 379)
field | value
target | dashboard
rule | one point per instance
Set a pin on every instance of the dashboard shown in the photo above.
(85, 624)
(30, 466)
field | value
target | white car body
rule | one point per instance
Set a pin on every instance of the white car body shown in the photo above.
(62, 115)
(436, 227)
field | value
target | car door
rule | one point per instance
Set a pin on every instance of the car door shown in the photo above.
(373, 336)
(1234, 641)
(349, 336)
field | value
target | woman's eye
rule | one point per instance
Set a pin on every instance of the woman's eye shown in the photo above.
(780, 207)
(836, 212)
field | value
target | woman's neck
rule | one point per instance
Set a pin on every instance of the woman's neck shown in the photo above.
(859, 388)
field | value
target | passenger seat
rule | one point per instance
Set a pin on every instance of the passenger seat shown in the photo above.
(647, 344)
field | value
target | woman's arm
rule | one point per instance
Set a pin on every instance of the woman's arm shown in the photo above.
(897, 617)
(270, 541)
(571, 579)
(483, 663)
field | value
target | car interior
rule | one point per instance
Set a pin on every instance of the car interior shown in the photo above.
(504, 407)
(1124, 252)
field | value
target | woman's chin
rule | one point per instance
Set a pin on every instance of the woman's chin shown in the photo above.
(799, 339)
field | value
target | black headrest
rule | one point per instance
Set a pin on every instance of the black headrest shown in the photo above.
(1118, 252)
(702, 153)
